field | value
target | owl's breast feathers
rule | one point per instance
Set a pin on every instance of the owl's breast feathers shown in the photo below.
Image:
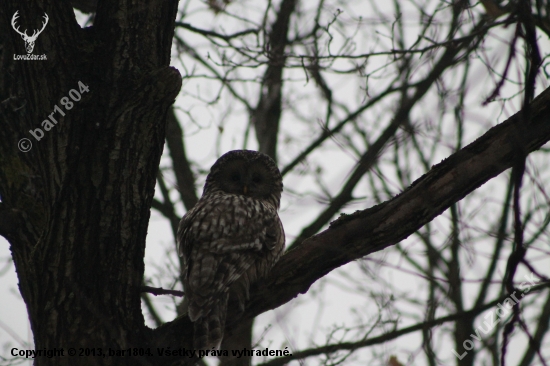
(228, 222)
(224, 237)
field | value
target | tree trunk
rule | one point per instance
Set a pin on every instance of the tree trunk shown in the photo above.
(78, 203)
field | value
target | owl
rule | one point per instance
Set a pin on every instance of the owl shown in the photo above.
(231, 238)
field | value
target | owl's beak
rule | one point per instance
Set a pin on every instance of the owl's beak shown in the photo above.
(245, 189)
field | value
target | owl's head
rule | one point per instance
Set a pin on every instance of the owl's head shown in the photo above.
(248, 173)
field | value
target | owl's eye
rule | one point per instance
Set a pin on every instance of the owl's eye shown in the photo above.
(256, 179)
(235, 177)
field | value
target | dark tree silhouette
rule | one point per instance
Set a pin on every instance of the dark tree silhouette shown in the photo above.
(75, 207)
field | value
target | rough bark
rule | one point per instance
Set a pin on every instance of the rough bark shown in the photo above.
(82, 195)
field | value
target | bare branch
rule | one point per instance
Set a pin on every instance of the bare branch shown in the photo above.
(352, 346)
(266, 116)
(161, 291)
(542, 328)
(182, 168)
(368, 231)
(209, 33)
(371, 155)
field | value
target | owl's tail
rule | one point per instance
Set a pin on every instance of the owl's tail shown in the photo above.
(208, 329)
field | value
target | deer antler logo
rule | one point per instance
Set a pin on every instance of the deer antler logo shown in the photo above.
(29, 40)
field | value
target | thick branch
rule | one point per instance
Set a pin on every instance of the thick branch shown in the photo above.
(355, 236)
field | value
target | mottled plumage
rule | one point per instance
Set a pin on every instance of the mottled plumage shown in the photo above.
(231, 238)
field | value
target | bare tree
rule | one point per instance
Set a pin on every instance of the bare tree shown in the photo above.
(410, 126)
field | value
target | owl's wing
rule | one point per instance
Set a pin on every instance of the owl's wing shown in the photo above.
(219, 240)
